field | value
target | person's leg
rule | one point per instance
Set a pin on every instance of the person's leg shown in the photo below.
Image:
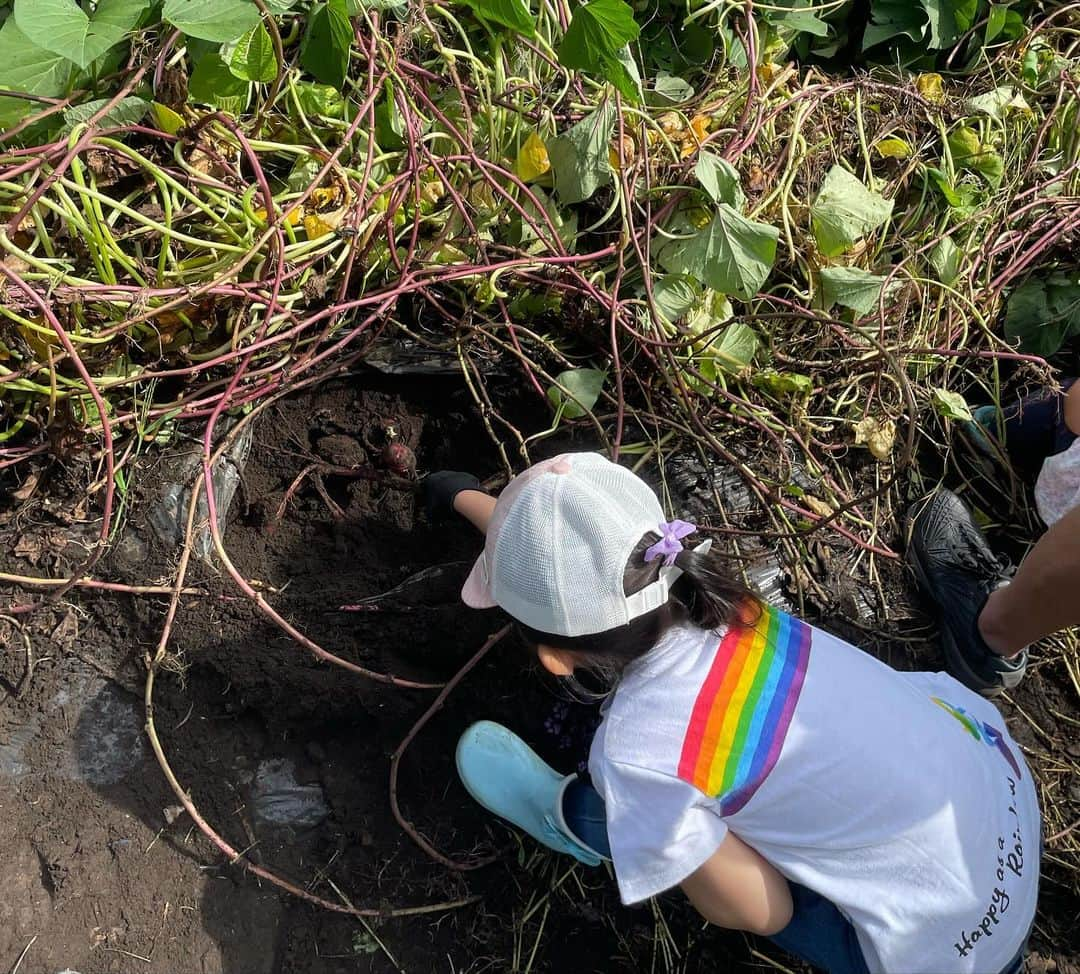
(1031, 429)
(1043, 596)
(821, 935)
(584, 815)
(818, 933)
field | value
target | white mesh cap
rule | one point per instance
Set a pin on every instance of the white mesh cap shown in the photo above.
(558, 543)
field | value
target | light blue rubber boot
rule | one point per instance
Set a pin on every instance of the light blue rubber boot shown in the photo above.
(983, 425)
(508, 778)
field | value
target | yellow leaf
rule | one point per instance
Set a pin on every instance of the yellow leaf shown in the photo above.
(671, 124)
(877, 436)
(930, 87)
(315, 226)
(698, 132)
(325, 207)
(39, 337)
(893, 148)
(532, 161)
(819, 507)
(449, 254)
(167, 120)
(628, 153)
(432, 191)
(323, 197)
(699, 217)
(292, 219)
(769, 70)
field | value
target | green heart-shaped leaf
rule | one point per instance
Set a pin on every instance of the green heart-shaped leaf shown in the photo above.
(62, 27)
(212, 20)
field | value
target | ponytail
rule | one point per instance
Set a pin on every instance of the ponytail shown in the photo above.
(710, 595)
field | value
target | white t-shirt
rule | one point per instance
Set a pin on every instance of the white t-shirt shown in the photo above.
(900, 797)
(1057, 491)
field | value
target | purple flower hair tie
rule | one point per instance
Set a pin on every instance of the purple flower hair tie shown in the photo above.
(670, 543)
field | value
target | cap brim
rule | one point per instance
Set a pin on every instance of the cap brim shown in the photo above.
(476, 593)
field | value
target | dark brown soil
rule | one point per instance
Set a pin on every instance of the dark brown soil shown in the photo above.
(288, 757)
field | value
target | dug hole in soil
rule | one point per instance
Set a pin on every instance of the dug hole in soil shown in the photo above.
(285, 756)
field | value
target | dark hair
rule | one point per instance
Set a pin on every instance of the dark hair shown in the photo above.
(705, 595)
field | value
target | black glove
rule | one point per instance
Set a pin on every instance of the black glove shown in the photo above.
(440, 489)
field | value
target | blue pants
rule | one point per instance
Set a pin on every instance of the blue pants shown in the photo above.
(1034, 429)
(818, 932)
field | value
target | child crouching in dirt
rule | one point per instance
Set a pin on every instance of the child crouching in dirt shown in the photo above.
(791, 785)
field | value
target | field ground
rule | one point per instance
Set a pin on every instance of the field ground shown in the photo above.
(288, 758)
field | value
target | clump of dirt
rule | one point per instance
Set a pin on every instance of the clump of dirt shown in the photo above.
(288, 757)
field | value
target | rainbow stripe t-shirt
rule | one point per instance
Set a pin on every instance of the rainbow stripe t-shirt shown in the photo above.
(898, 796)
(744, 708)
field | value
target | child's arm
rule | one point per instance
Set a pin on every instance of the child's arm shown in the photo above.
(736, 888)
(452, 490)
(475, 506)
(1072, 408)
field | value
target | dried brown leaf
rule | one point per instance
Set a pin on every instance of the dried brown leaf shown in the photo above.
(66, 632)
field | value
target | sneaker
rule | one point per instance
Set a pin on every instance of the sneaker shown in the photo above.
(956, 568)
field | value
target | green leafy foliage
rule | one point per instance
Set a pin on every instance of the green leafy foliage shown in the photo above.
(128, 111)
(582, 389)
(63, 28)
(951, 405)
(565, 225)
(891, 19)
(799, 16)
(513, 14)
(968, 152)
(944, 258)
(167, 119)
(595, 42)
(845, 211)
(781, 384)
(252, 58)
(851, 287)
(579, 157)
(709, 312)
(731, 254)
(389, 125)
(668, 89)
(1043, 313)
(211, 20)
(960, 197)
(26, 67)
(303, 173)
(995, 21)
(626, 76)
(895, 30)
(316, 99)
(213, 84)
(674, 296)
(720, 179)
(671, 46)
(949, 19)
(328, 43)
(997, 103)
(733, 350)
